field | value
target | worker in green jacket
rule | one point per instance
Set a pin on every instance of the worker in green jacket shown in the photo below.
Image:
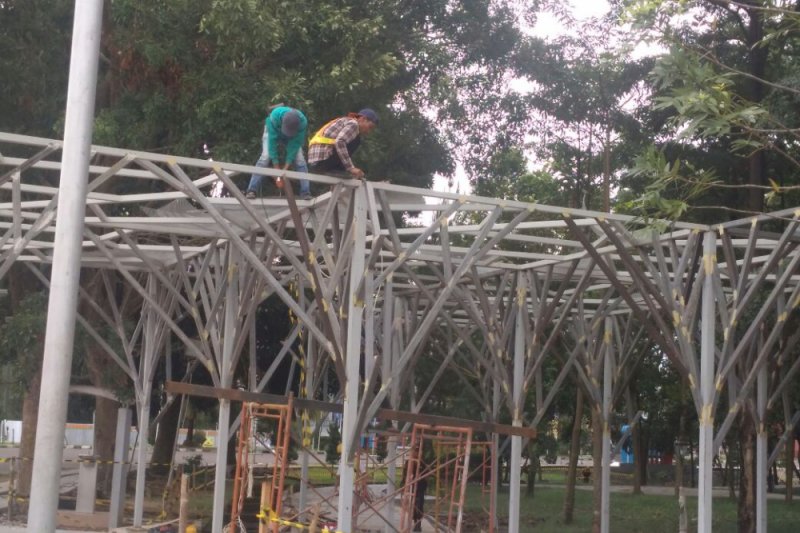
(283, 126)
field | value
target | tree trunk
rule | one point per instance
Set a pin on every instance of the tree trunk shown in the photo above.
(630, 401)
(747, 479)
(105, 433)
(729, 474)
(679, 453)
(757, 59)
(789, 458)
(188, 417)
(642, 451)
(597, 459)
(30, 417)
(21, 284)
(532, 469)
(165, 439)
(574, 450)
(104, 374)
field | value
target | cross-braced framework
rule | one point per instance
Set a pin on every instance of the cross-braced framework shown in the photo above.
(488, 289)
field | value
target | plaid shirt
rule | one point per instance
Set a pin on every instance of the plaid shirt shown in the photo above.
(344, 130)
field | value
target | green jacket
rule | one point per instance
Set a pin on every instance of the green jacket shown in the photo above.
(293, 144)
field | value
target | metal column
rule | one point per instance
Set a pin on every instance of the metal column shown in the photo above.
(518, 401)
(761, 452)
(386, 371)
(707, 342)
(605, 481)
(226, 378)
(120, 471)
(65, 274)
(352, 361)
(305, 457)
(143, 429)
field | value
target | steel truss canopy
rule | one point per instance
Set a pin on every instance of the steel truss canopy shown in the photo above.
(507, 284)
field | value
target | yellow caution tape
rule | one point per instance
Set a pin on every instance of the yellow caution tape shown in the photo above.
(268, 515)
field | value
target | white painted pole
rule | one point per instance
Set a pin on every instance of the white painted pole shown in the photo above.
(761, 452)
(386, 370)
(605, 481)
(223, 432)
(494, 475)
(310, 386)
(65, 276)
(120, 471)
(515, 480)
(145, 388)
(352, 362)
(707, 332)
(226, 380)
(143, 427)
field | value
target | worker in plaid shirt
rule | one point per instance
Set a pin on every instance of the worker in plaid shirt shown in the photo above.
(331, 148)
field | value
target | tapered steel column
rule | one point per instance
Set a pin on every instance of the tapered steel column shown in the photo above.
(65, 274)
(143, 430)
(352, 362)
(386, 371)
(605, 482)
(143, 393)
(761, 452)
(226, 381)
(309, 386)
(707, 332)
(120, 471)
(517, 383)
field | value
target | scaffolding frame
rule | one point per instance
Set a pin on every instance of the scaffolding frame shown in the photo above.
(252, 412)
(450, 469)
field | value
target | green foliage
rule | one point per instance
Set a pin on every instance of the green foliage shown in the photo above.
(704, 100)
(331, 448)
(726, 95)
(22, 337)
(583, 107)
(192, 462)
(671, 185)
(198, 439)
(545, 446)
(35, 40)
(214, 66)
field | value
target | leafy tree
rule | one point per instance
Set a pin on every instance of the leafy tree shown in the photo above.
(727, 91)
(727, 87)
(213, 68)
(35, 39)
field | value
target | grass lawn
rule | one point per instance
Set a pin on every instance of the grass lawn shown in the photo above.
(543, 512)
(632, 514)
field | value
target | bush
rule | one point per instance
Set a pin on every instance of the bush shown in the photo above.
(192, 462)
(332, 453)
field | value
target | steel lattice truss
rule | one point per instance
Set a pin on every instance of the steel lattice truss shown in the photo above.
(489, 288)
